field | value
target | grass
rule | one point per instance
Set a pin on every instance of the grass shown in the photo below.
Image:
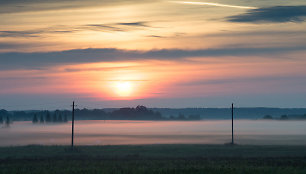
(134, 159)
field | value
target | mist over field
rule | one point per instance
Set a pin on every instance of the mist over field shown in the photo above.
(123, 132)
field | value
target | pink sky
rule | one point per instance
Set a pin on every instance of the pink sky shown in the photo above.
(116, 54)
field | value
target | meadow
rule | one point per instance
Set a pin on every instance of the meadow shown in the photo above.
(133, 159)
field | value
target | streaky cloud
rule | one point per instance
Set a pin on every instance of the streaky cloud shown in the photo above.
(31, 33)
(20, 60)
(109, 27)
(276, 14)
(278, 33)
(19, 6)
(140, 24)
(213, 4)
(252, 79)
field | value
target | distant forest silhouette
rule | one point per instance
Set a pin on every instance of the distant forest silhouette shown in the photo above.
(144, 113)
(62, 116)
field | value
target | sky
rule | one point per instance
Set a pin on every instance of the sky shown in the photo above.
(115, 53)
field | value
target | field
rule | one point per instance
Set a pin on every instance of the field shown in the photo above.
(133, 159)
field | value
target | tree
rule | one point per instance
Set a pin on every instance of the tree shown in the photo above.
(60, 119)
(65, 118)
(157, 115)
(35, 119)
(8, 121)
(284, 117)
(48, 117)
(181, 117)
(41, 120)
(1, 120)
(194, 117)
(269, 117)
(54, 118)
(141, 109)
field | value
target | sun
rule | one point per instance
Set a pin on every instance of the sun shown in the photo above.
(123, 89)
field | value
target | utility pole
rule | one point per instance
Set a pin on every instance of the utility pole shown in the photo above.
(232, 123)
(72, 122)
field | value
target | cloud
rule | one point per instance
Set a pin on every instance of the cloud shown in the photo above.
(111, 27)
(17, 6)
(99, 69)
(10, 45)
(236, 80)
(266, 33)
(172, 35)
(24, 33)
(155, 36)
(139, 24)
(15, 60)
(32, 33)
(275, 14)
(213, 4)
(100, 27)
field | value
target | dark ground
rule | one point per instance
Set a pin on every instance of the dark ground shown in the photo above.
(134, 159)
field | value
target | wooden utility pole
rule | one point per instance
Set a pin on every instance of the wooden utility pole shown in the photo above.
(232, 123)
(72, 130)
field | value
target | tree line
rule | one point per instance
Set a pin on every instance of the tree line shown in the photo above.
(5, 121)
(128, 113)
(285, 117)
(46, 117)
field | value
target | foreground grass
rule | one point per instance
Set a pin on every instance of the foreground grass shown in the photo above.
(148, 159)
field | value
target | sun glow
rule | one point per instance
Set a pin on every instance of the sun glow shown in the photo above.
(123, 89)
